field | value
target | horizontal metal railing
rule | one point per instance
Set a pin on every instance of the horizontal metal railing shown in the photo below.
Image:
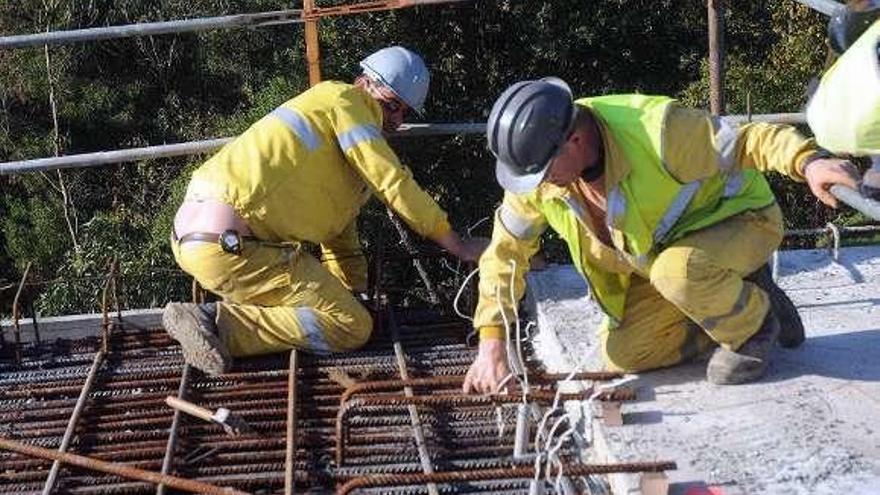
(259, 19)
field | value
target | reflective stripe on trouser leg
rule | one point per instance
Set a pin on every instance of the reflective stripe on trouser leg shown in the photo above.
(653, 333)
(702, 274)
(276, 299)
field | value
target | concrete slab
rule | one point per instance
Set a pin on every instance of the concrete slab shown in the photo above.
(812, 426)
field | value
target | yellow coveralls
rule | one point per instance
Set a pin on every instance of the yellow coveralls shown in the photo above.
(302, 173)
(683, 295)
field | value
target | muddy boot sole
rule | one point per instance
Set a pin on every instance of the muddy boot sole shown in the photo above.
(201, 347)
(729, 368)
(750, 361)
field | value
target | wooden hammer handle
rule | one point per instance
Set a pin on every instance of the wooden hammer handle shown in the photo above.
(190, 408)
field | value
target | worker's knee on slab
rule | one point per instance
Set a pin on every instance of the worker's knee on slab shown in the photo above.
(621, 355)
(686, 277)
(355, 329)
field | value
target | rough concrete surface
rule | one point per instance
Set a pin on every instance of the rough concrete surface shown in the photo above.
(811, 426)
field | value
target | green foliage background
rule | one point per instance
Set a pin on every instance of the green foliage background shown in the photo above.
(174, 88)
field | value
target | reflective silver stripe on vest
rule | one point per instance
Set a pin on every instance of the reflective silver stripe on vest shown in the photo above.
(520, 227)
(311, 327)
(725, 143)
(733, 185)
(299, 126)
(616, 206)
(676, 209)
(357, 135)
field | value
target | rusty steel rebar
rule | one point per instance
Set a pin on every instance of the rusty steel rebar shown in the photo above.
(105, 318)
(117, 469)
(457, 380)
(16, 312)
(715, 11)
(173, 431)
(418, 432)
(457, 400)
(74, 419)
(410, 247)
(290, 451)
(389, 480)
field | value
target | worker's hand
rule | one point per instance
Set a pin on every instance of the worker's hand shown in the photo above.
(488, 370)
(465, 250)
(472, 249)
(823, 173)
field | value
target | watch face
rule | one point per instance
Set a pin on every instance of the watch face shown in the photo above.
(229, 242)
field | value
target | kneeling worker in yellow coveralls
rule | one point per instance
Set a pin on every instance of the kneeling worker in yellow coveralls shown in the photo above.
(665, 212)
(301, 173)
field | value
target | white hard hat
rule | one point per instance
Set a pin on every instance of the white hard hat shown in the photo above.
(402, 71)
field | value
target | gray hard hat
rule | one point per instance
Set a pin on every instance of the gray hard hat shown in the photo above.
(526, 127)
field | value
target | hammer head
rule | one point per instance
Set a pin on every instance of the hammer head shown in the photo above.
(232, 424)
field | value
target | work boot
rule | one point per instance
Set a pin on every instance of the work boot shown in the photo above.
(749, 362)
(195, 327)
(791, 328)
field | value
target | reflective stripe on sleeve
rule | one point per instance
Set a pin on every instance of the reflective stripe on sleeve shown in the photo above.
(725, 143)
(312, 330)
(676, 209)
(299, 126)
(520, 227)
(357, 135)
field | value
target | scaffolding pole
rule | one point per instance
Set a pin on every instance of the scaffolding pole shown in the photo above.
(827, 7)
(194, 148)
(86, 160)
(260, 19)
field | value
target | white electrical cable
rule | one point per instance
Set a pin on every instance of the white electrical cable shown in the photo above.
(458, 295)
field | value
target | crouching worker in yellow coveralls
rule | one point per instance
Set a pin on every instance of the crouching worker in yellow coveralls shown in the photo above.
(301, 173)
(666, 214)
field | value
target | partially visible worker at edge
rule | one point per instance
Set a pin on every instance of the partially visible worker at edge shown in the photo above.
(844, 112)
(301, 173)
(665, 212)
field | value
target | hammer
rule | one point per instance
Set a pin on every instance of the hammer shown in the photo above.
(232, 424)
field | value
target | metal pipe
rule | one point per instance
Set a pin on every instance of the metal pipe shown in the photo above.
(259, 19)
(770, 118)
(289, 461)
(418, 432)
(171, 446)
(74, 419)
(195, 148)
(715, 9)
(519, 472)
(842, 229)
(16, 313)
(851, 197)
(100, 158)
(117, 469)
(827, 7)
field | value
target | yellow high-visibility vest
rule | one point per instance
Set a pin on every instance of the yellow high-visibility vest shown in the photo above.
(844, 113)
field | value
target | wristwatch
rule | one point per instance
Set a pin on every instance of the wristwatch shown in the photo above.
(230, 241)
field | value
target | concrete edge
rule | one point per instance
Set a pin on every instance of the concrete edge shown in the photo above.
(78, 326)
(550, 352)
